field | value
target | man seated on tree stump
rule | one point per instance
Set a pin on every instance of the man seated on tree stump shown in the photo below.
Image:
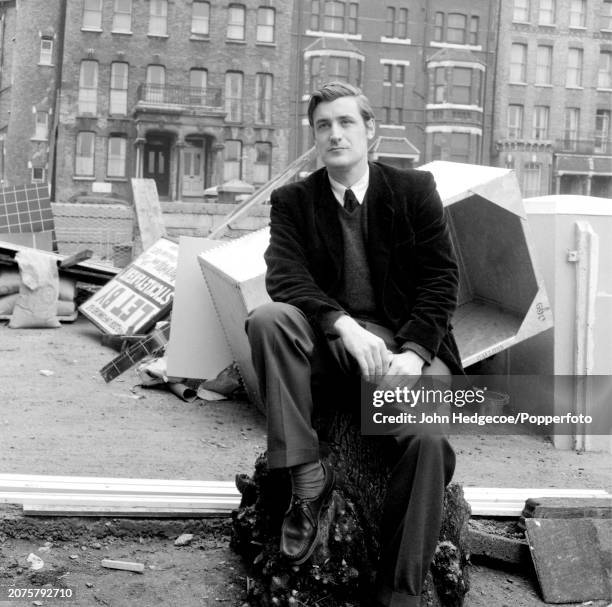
(363, 279)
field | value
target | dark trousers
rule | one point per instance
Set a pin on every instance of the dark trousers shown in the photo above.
(290, 360)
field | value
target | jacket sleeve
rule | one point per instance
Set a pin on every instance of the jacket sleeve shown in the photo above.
(288, 277)
(437, 275)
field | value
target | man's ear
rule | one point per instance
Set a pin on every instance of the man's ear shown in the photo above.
(370, 128)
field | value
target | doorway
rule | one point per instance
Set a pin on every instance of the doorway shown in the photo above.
(157, 163)
(193, 169)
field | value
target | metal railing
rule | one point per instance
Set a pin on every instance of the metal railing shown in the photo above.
(158, 94)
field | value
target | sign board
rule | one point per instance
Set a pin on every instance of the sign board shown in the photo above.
(139, 295)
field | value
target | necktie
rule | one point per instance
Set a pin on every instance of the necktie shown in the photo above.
(350, 201)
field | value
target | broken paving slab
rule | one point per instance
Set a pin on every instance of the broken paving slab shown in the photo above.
(490, 542)
(571, 558)
(567, 508)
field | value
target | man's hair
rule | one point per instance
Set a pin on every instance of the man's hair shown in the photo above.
(335, 89)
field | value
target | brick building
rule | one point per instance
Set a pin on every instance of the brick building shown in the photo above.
(425, 68)
(188, 92)
(553, 96)
(31, 35)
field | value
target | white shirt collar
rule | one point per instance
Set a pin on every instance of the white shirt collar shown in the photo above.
(359, 187)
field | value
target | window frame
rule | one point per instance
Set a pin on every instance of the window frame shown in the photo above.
(113, 158)
(78, 158)
(264, 83)
(45, 56)
(438, 26)
(234, 111)
(602, 135)
(117, 17)
(87, 101)
(118, 96)
(574, 78)
(237, 162)
(239, 26)
(544, 68)
(460, 31)
(158, 23)
(521, 11)
(204, 31)
(259, 145)
(41, 133)
(580, 14)
(96, 24)
(515, 127)
(604, 73)
(551, 10)
(541, 131)
(266, 27)
(572, 115)
(42, 179)
(522, 63)
(606, 15)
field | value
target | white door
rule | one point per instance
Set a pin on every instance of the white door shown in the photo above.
(193, 171)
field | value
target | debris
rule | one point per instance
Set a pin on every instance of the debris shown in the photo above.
(74, 557)
(574, 507)
(227, 382)
(35, 561)
(37, 603)
(89, 584)
(123, 565)
(184, 539)
(46, 372)
(209, 395)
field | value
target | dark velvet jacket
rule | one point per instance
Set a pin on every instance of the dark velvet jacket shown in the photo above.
(412, 263)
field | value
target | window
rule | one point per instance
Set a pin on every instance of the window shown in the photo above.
(515, 121)
(115, 164)
(353, 8)
(315, 15)
(577, 13)
(604, 73)
(46, 51)
(88, 87)
(460, 147)
(518, 63)
(263, 98)
(338, 68)
(540, 122)
(397, 22)
(606, 15)
(439, 88)
(92, 14)
(155, 83)
(118, 88)
(602, 131)
(521, 11)
(265, 24)
(438, 33)
(394, 77)
(333, 16)
(232, 160)
(437, 142)
(474, 26)
(235, 22)
(84, 165)
(316, 79)
(38, 175)
(42, 125)
(198, 81)
(572, 124)
(200, 17)
(122, 16)
(532, 176)
(462, 85)
(233, 96)
(574, 67)
(455, 28)
(158, 17)
(262, 167)
(546, 12)
(544, 65)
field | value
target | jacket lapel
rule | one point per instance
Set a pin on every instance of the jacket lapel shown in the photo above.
(380, 209)
(327, 222)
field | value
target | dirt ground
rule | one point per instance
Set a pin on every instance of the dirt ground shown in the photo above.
(70, 422)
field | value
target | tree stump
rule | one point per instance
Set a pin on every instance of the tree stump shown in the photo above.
(341, 571)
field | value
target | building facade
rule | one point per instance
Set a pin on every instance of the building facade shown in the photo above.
(553, 98)
(189, 93)
(425, 68)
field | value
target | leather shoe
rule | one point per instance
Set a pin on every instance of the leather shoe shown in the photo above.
(299, 533)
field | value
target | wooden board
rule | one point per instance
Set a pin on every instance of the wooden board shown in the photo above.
(568, 558)
(148, 211)
(121, 512)
(197, 347)
(568, 507)
(140, 295)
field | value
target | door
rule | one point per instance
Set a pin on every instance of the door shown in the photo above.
(193, 171)
(157, 165)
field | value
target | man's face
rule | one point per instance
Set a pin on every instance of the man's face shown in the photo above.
(341, 134)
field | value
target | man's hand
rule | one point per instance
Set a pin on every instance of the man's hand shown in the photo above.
(368, 349)
(408, 365)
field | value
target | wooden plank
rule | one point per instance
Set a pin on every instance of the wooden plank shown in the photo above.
(197, 347)
(568, 507)
(34, 480)
(124, 565)
(568, 559)
(148, 211)
(76, 258)
(164, 501)
(122, 512)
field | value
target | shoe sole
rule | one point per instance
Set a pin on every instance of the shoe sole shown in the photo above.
(324, 508)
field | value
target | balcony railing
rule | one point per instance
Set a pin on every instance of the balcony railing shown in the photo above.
(163, 95)
(596, 145)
